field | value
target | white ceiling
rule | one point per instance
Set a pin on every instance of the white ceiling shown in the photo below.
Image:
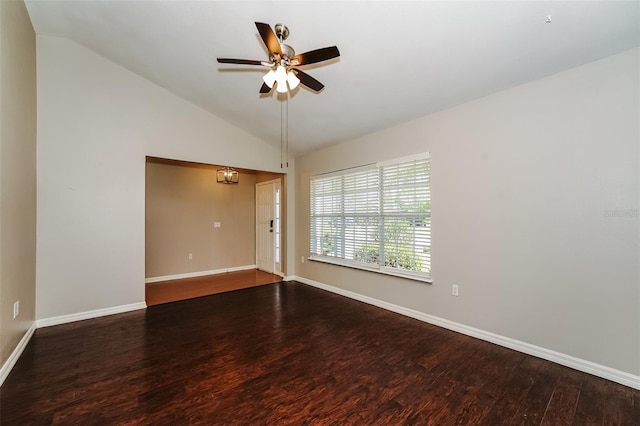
(399, 60)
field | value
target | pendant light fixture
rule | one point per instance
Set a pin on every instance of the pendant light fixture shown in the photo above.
(227, 175)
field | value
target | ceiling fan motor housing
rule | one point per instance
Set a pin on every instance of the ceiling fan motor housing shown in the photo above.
(282, 33)
(287, 51)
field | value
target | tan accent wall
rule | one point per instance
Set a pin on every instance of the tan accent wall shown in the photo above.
(183, 201)
(17, 174)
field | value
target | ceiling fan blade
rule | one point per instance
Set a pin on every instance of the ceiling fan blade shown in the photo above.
(308, 81)
(239, 61)
(317, 55)
(269, 38)
(265, 88)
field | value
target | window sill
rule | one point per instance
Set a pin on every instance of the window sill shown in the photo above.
(377, 270)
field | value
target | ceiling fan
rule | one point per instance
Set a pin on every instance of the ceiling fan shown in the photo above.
(283, 61)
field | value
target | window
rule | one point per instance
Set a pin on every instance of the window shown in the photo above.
(375, 218)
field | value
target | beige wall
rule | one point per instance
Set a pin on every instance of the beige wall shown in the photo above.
(17, 174)
(182, 203)
(526, 184)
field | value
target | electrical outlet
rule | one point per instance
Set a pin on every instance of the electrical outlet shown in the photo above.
(454, 290)
(190, 256)
(16, 309)
(302, 259)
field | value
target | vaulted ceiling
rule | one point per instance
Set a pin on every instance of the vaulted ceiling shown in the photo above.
(399, 60)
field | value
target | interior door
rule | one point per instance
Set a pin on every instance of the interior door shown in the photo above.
(265, 222)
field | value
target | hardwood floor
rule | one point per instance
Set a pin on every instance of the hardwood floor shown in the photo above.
(285, 354)
(188, 288)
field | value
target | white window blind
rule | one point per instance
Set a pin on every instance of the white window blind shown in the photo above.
(378, 218)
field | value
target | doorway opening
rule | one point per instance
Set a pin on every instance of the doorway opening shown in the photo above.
(202, 234)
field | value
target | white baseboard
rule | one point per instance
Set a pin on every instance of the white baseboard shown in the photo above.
(13, 358)
(579, 364)
(63, 319)
(198, 274)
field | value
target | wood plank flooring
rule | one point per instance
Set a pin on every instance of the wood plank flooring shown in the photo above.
(188, 288)
(290, 354)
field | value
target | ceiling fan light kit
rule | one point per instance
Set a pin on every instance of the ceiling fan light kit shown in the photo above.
(283, 79)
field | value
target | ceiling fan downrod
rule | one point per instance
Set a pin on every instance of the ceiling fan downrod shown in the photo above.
(282, 33)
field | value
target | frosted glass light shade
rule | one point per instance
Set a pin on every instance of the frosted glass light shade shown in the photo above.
(281, 75)
(282, 87)
(293, 80)
(269, 78)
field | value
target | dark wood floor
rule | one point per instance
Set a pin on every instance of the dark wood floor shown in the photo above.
(188, 288)
(287, 353)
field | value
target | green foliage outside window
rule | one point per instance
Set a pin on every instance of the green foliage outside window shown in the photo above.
(402, 259)
(327, 244)
(397, 234)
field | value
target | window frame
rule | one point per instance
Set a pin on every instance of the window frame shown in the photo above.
(378, 267)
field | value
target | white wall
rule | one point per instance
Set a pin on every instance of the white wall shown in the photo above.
(524, 185)
(96, 123)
